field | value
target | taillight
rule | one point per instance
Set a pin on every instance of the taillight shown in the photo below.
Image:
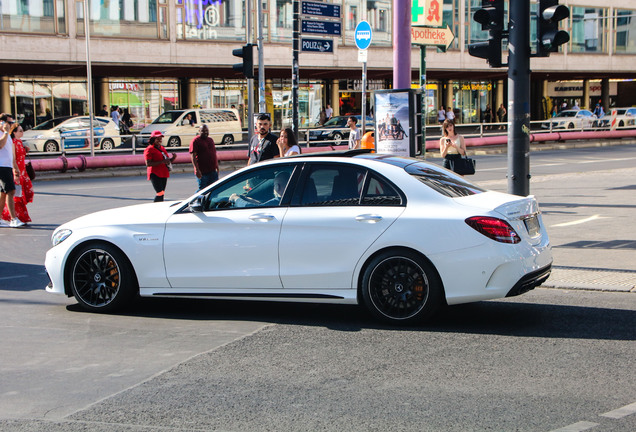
(493, 228)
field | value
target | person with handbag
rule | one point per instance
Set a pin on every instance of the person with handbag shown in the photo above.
(24, 188)
(451, 145)
(159, 164)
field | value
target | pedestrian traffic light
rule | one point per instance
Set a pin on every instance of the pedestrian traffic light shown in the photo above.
(491, 17)
(549, 37)
(247, 54)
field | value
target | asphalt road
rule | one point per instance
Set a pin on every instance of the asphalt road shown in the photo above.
(552, 359)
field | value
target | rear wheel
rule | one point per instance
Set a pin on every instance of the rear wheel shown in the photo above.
(227, 140)
(174, 141)
(107, 144)
(51, 146)
(401, 287)
(101, 277)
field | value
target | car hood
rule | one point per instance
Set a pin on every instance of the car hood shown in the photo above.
(153, 127)
(510, 206)
(31, 134)
(150, 213)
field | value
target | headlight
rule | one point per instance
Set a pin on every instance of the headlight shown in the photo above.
(60, 235)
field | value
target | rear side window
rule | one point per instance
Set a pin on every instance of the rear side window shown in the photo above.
(217, 116)
(442, 182)
(347, 185)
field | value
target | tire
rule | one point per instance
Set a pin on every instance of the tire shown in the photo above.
(337, 138)
(621, 124)
(227, 140)
(174, 141)
(100, 277)
(107, 144)
(401, 287)
(51, 146)
(571, 126)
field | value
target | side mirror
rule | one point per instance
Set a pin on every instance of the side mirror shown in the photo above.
(196, 206)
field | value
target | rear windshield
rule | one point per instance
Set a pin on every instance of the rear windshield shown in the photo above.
(439, 180)
(168, 117)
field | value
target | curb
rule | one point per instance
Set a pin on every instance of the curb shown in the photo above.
(590, 279)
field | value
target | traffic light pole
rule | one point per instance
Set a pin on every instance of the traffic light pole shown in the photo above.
(519, 98)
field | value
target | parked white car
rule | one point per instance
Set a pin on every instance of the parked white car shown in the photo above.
(398, 235)
(72, 133)
(571, 119)
(625, 118)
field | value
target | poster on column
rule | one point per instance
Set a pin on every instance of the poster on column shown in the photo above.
(392, 114)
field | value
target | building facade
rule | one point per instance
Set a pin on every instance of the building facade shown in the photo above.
(152, 55)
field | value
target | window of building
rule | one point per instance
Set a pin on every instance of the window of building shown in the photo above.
(146, 19)
(211, 20)
(34, 16)
(589, 30)
(625, 25)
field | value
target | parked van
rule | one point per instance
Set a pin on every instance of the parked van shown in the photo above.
(180, 126)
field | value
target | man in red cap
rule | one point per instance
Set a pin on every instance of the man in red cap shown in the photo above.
(159, 164)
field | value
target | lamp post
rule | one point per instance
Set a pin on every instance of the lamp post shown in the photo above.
(89, 78)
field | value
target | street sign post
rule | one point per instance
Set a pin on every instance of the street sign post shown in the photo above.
(362, 37)
(317, 45)
(331, 28)
(325, 10)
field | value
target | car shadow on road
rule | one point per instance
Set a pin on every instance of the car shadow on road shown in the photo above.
(506, 318)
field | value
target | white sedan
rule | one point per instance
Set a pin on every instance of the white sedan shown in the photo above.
(571, 119)
(399, 235)
(72, 133)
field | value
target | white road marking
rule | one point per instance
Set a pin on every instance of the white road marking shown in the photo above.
(621, 412)
(576, 427)
(577, 222)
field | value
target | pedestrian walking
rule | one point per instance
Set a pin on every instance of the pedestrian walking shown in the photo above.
(204, 159)
(441, 115)
(287, 144)
(501, 115)
(328, 112)
(9, 171)
(450, 114)
(24, 188)
(354, 133)
(159, 164)
(263, 145)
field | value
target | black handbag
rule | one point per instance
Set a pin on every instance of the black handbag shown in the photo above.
(464, 166)
(29, 170)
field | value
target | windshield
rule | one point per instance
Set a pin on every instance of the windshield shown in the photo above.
(168, 117)
(50, 124)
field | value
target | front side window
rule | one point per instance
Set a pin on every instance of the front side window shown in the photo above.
(257, 188)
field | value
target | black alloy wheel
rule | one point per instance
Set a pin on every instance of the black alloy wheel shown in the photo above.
(101, 277)
(401, 288)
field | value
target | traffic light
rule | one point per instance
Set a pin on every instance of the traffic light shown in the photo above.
(491, 18)
(549, 37)
(247, 54)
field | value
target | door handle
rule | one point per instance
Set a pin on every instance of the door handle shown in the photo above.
(261, 217)
(369, 218)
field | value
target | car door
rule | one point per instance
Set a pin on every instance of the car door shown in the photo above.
(226, 246)
(336, 215)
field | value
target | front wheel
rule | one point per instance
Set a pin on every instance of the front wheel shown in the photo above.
(337, 138)
(401, 287)
(571, 126)
(51, 146)
(174, 141)
(227, 140)
(101, 277)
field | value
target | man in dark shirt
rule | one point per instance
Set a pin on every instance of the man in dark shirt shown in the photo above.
(263, 145)
(204, 160)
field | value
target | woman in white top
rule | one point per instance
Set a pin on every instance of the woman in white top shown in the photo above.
(451, 145)
(287, 143)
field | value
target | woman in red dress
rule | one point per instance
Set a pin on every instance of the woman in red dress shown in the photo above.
(25, 182)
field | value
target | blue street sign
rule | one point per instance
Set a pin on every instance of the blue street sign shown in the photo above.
(317, 45)
(320, 9)
(321, 27)
(363, 35)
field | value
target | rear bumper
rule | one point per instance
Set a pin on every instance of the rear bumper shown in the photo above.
(530, 281)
